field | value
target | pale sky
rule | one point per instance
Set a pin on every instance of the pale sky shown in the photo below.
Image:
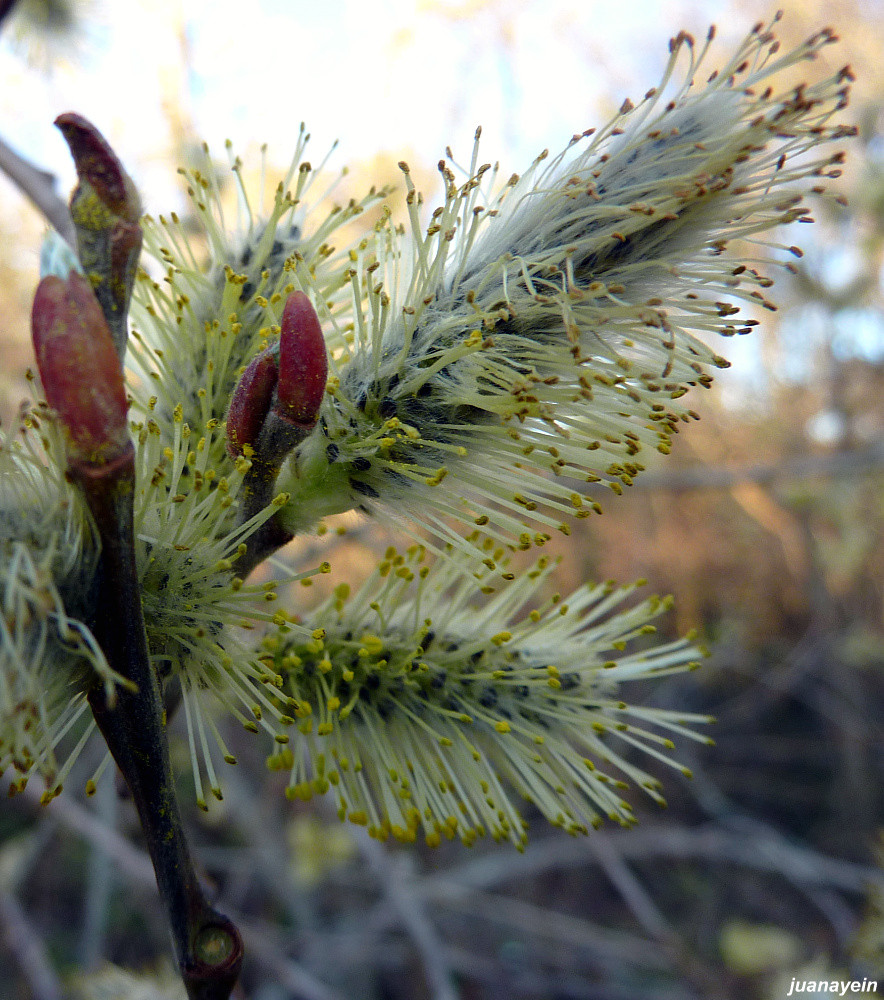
(405, 77)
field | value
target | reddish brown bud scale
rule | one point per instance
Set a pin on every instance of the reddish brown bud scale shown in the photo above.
(125, 246)
(251, 402)
(303, 362)
(99, 165)
(80, 368)
(105, 209)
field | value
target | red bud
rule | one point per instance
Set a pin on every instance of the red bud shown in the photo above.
(251, 401)
(99, 165)
(105, 208)
(303, 362)
(80, 368)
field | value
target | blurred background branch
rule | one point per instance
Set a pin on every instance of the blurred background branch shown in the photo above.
(39, 187)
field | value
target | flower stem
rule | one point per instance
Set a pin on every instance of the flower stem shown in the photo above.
(258, 486)
(208, 946)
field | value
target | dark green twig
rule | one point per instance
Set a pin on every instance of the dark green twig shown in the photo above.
(208, 945)
(258, 490)
(80, 329)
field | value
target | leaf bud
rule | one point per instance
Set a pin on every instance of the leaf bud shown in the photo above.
(80, 369)
(251, 402)
(303, 362)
